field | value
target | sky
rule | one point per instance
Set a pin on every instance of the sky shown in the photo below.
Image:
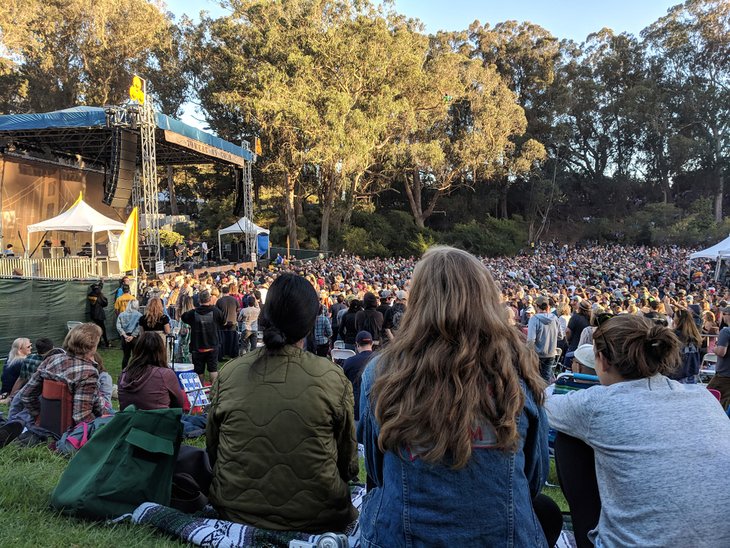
(574, 19)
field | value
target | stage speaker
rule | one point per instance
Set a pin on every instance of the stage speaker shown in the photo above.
(121, 168)
(239, 190)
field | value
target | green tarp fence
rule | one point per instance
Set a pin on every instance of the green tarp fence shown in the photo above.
(41, 308)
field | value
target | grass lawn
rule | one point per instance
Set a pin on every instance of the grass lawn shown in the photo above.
(29, 476)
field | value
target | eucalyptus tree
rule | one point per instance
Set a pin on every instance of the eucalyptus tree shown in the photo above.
(69, 52)
(692, 46)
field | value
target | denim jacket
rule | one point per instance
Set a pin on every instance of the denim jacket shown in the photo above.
(486, 503)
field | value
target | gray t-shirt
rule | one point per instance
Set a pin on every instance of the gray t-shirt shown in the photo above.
(662, 453)
(722, 367)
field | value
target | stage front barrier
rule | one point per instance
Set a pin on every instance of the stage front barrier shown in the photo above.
(68, 268)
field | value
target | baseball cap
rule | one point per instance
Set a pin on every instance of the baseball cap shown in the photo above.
(541, 301)
(363, 337)
(401, 295)
(586, 356)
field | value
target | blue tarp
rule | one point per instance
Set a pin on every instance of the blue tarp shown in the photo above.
(91, 117)
(262, 241)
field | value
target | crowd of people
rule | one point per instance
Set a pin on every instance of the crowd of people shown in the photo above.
(449, 389)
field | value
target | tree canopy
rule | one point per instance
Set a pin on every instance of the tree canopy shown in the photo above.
(358, 109)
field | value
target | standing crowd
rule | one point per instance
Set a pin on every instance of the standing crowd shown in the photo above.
(450, 388)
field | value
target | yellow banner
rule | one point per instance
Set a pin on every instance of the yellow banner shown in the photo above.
(128, 247)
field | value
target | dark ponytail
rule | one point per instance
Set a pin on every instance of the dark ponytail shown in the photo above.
(637, 347)
(289, 312)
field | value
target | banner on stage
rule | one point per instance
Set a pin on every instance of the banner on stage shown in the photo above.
(202, 148)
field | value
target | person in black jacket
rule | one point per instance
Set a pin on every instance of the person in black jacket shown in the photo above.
(97, 303)
(369, 319)
(205, 321)
(348, 329)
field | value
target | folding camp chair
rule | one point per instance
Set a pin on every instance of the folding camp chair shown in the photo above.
(568, 382)
(341, 354)
(56, 413)
(71, 325)
(707, 367)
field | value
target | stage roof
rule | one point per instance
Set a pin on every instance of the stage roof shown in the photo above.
(85, 131)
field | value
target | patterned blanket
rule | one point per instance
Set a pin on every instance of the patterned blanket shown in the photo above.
(202, 529)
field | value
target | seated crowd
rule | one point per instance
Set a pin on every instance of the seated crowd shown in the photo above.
(450, 389)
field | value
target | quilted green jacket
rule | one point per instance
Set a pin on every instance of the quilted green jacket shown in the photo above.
(281, 439)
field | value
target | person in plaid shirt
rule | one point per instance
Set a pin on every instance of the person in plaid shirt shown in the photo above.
(77, 369)
(322, 332)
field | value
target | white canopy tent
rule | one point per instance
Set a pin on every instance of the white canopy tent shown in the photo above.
(721, 249)
(244, 225)
(80, 217)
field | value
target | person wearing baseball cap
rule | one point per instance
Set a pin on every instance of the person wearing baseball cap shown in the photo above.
(354, 366)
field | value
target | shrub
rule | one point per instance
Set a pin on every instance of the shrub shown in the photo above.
(169, 238)
(360, 242)
(492, 237)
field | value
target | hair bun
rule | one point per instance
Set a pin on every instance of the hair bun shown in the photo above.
(274, 338)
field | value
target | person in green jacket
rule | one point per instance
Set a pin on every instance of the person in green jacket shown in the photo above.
(280, 432)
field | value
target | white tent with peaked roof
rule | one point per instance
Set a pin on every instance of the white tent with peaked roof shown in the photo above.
(721, 249)
(80, 217)
(244, 225)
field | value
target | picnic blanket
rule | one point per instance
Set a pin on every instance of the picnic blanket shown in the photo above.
(203, 529)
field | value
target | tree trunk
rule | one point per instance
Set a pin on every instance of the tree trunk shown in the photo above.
(720, 179)
(719, 196)
(503, 203)
(414, 197)
(291, 218)
(298, 198)
(350, 205)
(327, 205)
(171, 190)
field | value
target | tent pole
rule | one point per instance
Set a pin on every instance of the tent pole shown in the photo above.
(220, 249)
(93, 252)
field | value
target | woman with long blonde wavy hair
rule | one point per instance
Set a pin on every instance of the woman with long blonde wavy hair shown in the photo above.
(452, 421)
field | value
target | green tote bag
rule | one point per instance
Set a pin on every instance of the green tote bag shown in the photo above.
(127, 462)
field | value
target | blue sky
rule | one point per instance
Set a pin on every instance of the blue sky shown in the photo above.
(564, 18)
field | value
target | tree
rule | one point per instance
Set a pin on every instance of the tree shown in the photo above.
(458, 127)
(256, 76)
(70, 52)
(692, 43)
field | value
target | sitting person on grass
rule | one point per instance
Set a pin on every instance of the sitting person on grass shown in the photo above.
(31, 362)
(20, 349)
(280, 432)
(652, 439)
(452, 421)
(77, 369)
(148, 382)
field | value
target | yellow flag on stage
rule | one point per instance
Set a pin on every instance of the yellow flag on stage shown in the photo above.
(128, 246)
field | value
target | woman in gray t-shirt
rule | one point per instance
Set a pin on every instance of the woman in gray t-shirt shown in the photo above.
(655, 441)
